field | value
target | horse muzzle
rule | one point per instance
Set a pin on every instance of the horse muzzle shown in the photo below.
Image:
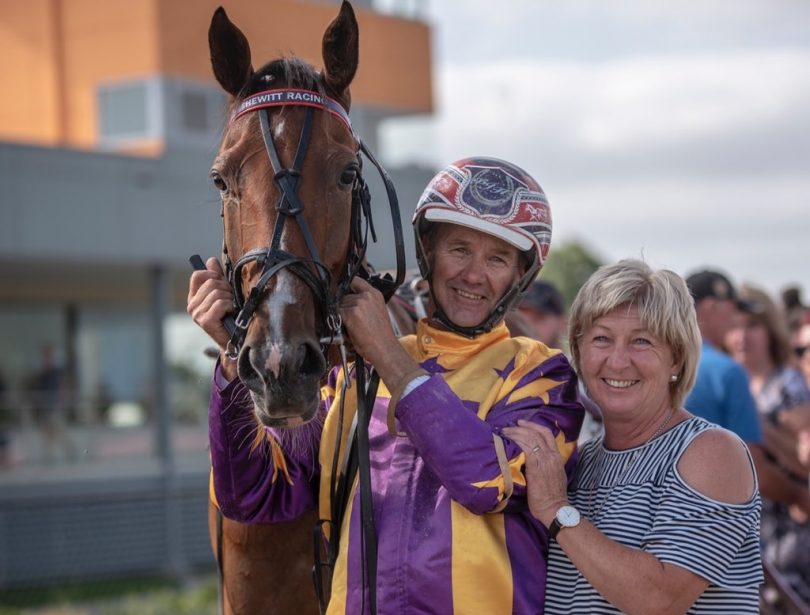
(284, 380)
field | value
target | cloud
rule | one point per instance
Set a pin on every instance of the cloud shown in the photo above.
(657, 116)
(653, 133)
(755, 228)
(472, 31)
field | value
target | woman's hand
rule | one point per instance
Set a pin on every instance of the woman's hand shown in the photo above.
(545, 472)
(210, 299)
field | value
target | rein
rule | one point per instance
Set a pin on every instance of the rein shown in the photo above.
(317, 277)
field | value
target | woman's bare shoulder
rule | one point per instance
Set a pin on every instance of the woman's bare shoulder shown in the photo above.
(716, 463)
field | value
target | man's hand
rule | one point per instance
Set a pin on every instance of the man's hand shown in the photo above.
(210, 299)
(365, 317)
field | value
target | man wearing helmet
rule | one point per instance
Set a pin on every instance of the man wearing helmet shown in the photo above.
(453, 529)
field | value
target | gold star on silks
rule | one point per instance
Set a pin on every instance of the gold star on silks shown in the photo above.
(536, 388)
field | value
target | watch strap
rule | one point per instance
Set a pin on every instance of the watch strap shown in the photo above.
(554, 529)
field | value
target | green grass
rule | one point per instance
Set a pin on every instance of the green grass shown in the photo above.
(147, 596)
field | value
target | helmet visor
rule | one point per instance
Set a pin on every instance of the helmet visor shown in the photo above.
(442, 214)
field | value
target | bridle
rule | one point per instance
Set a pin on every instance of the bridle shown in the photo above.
(310, 269)
(314, 273)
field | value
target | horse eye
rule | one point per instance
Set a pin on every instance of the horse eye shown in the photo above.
(218, 181)
(349, 176)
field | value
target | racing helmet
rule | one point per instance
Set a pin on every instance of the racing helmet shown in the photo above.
(494, 197)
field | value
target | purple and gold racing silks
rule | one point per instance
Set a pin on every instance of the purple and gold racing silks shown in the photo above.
(454, 531)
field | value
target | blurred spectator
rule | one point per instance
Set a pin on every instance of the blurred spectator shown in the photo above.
(721, 394)
(796, 313)
(759, 341)
(801, 348)
(5, 413)
(544, 309)
(47, 394)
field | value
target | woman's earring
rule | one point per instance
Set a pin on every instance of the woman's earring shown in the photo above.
(673, 378)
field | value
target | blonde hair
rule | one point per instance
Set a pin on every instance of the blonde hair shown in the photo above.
(664, 306)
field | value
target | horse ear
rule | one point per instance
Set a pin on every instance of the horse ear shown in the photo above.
(230, 53)
(340, 52)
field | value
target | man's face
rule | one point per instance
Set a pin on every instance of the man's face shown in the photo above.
(716, 317)
(471, 272)
(548, 327)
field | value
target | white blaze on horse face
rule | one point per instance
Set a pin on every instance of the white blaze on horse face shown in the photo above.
(273, 363)
(282, 297)
(282, 304)
(278, 132)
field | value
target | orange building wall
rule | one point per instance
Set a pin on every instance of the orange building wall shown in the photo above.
(71, 46)
(104, 40)
(27, 81)
(394, 71)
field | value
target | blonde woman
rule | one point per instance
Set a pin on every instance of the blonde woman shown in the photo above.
(662, 514)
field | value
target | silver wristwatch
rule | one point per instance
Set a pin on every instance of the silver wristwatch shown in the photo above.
(567, 516)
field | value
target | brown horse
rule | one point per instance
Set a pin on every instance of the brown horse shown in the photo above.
(288, 171)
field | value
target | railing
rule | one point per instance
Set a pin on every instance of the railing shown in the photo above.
(777, 597)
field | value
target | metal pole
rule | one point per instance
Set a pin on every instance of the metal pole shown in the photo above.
(162, 412)
(176, 563)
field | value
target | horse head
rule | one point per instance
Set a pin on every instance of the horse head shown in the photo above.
(288, 172)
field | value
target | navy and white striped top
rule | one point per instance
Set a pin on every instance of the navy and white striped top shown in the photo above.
(653, 509)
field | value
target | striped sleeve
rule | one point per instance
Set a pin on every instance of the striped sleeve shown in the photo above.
(715, 540)
(479, 470)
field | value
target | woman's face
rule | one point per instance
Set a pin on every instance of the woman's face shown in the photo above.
(626, 368)
(748, 341)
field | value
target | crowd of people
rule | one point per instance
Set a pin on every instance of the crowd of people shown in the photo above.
(483, 500)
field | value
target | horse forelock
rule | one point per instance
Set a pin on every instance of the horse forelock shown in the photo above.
(290, 72)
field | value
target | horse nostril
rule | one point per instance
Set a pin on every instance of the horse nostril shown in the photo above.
(313, 362)
(252, 366)
(245, 366)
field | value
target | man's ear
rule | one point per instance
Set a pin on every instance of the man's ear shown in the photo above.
(524, 262)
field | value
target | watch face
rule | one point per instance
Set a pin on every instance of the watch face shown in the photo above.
(568, 516)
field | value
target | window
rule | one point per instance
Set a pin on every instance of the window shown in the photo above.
(123, 110)
(194, 111)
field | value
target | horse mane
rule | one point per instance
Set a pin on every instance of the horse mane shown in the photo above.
(291, 72)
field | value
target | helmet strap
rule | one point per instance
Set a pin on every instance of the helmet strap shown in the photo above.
(509, 299)
(494, 318)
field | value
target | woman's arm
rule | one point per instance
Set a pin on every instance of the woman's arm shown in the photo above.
(631, 579)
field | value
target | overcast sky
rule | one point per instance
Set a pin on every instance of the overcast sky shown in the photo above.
(674, 131)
